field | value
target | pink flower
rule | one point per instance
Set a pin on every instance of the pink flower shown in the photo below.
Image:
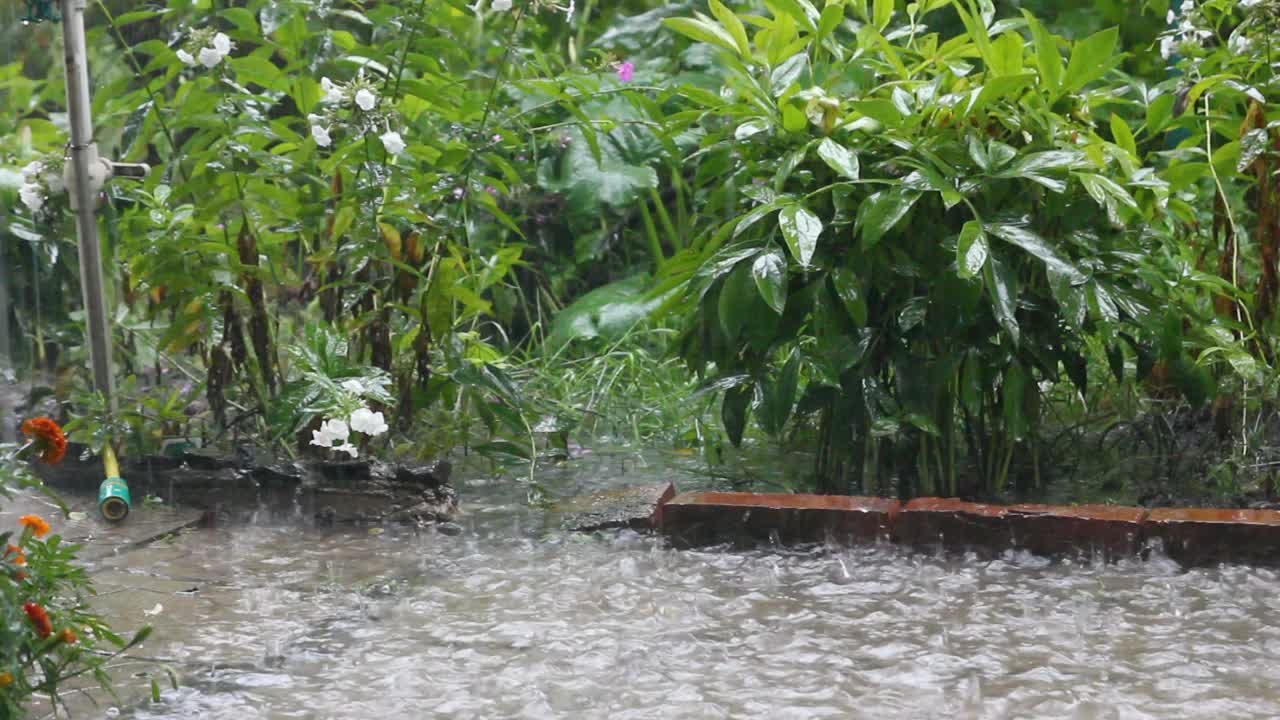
(626, 71)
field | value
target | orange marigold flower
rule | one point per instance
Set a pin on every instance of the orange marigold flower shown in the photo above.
(39, 618)
(47, 437)
(69, 636)
(37, 524)
(19, 557)
(6, 679)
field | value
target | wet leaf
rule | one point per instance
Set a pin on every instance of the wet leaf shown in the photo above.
(733, 411)
(971, 249)
(800, 228)
(840, 158)
(880, 212)
(770, 273)
(849, 290)
(1002, 288)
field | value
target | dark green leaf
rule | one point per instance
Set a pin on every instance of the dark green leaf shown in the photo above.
(1002, 287)
(849, 290)
(880, 212)
(971, 249)
(733, 411)
(800, 228)
(1028, 240)
(840, 158)
(770, 273)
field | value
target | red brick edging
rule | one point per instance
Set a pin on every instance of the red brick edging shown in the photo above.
(1188, 535)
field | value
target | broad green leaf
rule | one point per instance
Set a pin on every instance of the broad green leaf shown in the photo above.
(880, 212)
(840, 158)
(849, 290)
(1013, 393)
(1007, 54)
(608, 312)
(912, 313)
(1002, 287)
(1123, 135)
(1108, 194)
(832, 15)
(778, 396)
(800, 228)
(1028, 240)
(1091, 58)
(1047, 55)
(971, 249)
(733, 411)
(801, 11)
(754, 216)
(978, 153)
(770, 273)
(702, 32)
(735, 303)
(787, 73)
(882, 13)
(734, 26)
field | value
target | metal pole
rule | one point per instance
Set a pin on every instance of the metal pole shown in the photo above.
(85, 163)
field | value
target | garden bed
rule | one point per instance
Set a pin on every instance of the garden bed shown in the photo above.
(232, 489)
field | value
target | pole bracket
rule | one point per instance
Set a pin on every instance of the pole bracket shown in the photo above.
(100, 171)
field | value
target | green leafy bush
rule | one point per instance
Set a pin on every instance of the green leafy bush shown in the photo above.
(929, 227)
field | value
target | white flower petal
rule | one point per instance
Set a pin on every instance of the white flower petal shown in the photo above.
(321, 135)
(501, 5)
(365, 99)
(336, 428)
(368, 422)
(32, 171)
(392, 142)
(352, 385)
(186, 58)
(31, 197)
(222, 43)
(332, 91)
(349, 449)
(210, 57)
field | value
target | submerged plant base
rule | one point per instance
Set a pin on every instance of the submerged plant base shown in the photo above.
(1191, 536)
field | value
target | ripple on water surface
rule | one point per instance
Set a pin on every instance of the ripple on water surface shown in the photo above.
(505, 621)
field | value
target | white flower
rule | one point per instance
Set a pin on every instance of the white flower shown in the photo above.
(392, 142)
(1167, 46)
(222, 44)
(1188, 7)
(368, 422)
(1249, 3)
(330, 431)
(55, 183)
(1170, 17)
(332, 91)
(352, 386)
(31, 173)
(347, 448)
(365, 99)
(210, 57)
(321, 135)
(31, 196)
(1239, 44)
(186, 58)
(501, 5)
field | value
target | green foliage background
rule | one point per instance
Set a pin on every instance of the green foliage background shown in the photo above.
(926, 241)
